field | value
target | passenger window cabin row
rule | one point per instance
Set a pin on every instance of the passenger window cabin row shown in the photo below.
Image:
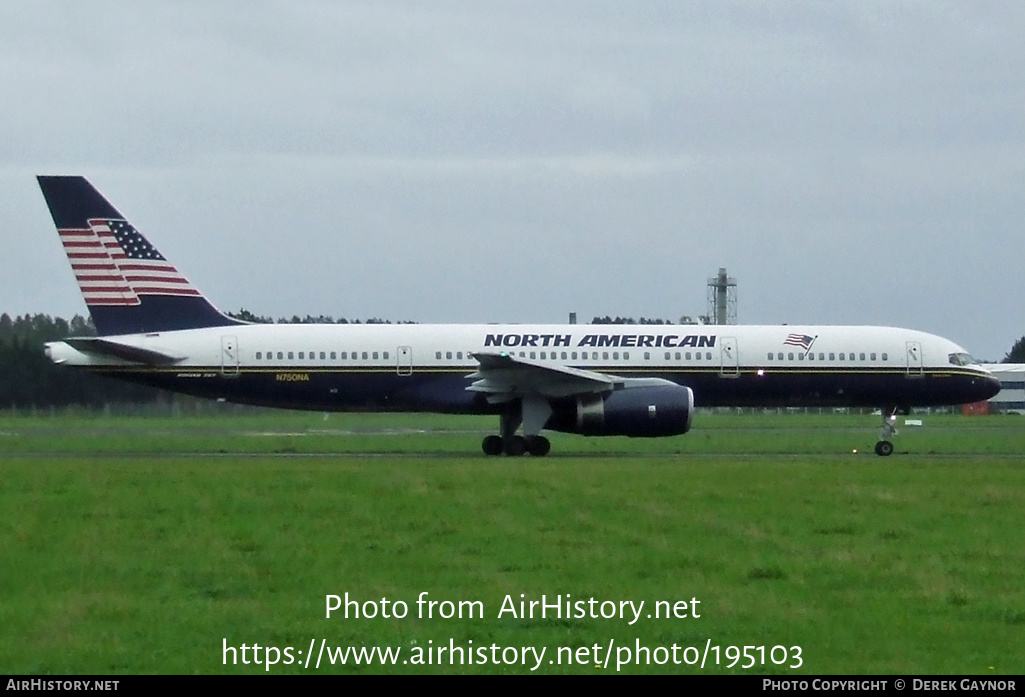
(563, 355)
(847, 357)
(599, 355)
(323, 355)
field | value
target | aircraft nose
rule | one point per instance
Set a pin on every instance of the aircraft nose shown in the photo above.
(991, 386)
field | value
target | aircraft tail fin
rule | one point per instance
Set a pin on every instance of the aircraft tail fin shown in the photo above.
(128, 286)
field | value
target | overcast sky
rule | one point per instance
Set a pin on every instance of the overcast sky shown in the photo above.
(848, 163)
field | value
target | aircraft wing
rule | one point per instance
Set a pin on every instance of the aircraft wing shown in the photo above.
(106, 347)
(503, 377)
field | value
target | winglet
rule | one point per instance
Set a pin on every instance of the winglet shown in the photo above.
(128, 286)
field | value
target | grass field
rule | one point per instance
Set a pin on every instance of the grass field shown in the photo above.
(147, 545)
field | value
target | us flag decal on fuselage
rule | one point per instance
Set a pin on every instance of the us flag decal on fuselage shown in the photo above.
(114, 264)
(802, 340)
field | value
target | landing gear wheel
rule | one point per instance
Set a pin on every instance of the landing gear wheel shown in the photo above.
(492, 445)
(515, 446)
(888, 430)
(538, 446)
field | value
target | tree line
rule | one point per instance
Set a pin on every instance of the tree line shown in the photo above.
(247, 316)
(28, 379)
(627, 320)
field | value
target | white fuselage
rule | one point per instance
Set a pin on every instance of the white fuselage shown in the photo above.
(723, 364)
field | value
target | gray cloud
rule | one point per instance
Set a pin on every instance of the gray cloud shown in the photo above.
(512, 161)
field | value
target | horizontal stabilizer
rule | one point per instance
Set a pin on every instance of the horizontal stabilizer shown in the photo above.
(106, 347)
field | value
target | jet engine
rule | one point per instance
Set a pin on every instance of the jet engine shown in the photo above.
(646, 412)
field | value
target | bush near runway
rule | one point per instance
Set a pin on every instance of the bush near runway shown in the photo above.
(128, 550)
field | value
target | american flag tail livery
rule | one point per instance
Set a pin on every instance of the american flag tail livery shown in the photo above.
(128, 286)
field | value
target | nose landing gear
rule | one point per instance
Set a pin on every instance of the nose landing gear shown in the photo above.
(884, 447)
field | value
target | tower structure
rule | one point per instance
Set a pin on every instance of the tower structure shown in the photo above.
(722, 298)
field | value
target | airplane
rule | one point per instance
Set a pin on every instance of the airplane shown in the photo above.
(154, 327)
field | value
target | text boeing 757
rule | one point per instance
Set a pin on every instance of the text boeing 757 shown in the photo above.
(156, 328)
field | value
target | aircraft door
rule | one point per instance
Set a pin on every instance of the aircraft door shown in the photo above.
(914, 353)
(229, 356)
(730, 366)
(405, 360)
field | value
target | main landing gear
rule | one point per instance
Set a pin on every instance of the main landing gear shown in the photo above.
(532, 413)
(538, 446)
(889, 429)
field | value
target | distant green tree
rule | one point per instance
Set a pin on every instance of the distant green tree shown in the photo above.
(1017, 354)
(247, 316)
(29, 379)
(628, 320)
(609, 320)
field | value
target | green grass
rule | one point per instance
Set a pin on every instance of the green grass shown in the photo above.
(139, 545)
(274, 432)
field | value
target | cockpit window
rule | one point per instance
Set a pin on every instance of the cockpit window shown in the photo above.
(961, 359)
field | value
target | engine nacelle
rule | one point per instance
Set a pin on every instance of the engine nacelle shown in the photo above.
(646, 412)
